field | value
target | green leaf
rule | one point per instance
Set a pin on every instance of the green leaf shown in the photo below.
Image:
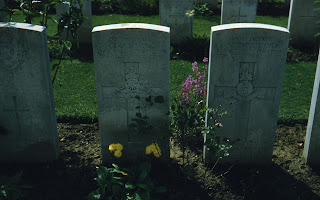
(136, 196)
(94, 195)
(115, 166)
(130, 186)
(67, 45)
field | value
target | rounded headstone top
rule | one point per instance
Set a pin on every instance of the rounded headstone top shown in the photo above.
(132, 26)
(24, 26)
(248, 25)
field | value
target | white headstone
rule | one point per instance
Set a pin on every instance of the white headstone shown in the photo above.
(172, 13)
(131, 60)
(238, 11)
(303, 24)
(84, 32)
(246, 69)
(212, 4)
(27, 114)
(2, 14)
(312, 141)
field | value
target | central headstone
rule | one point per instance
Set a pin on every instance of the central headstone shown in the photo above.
(311, 150)
(246, 69)
(28, 127)
(238, 11)
(303, 24)
(172, 13)
(132, 70)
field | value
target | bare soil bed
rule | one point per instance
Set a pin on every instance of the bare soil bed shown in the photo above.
(71, 177)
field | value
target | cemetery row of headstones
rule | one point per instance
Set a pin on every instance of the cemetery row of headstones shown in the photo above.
(247, 64)
(27, 119)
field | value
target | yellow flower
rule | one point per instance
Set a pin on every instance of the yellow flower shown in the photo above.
(112, 147)
(119, 146)
(117, 153)
(152, 147)
(148, 150)
(155, 149)
(156, 154)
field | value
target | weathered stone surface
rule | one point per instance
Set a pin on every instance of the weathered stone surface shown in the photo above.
(238, 11)
(246, 69)
(84, 32)
(172, 13)
(2, 14)
(27, 116)
(311, 150)
(302, 23)
(131, 60)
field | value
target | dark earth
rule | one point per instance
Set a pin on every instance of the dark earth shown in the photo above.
(72, 176)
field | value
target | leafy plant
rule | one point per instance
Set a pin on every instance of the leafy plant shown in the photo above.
(188, 114)
(217, 146)
(11, 188)
(68, 24)
(188, 110)
(119, 184)
(203, 10)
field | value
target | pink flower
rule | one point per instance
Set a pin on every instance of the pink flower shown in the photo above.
(195, 68)
(194, 63)
(205, 59)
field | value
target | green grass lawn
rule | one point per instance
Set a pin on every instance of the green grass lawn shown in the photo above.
(74, 91)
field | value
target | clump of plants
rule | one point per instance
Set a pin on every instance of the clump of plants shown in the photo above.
(189, 108)
(203, 10)
(188, 112)
(133, 182)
